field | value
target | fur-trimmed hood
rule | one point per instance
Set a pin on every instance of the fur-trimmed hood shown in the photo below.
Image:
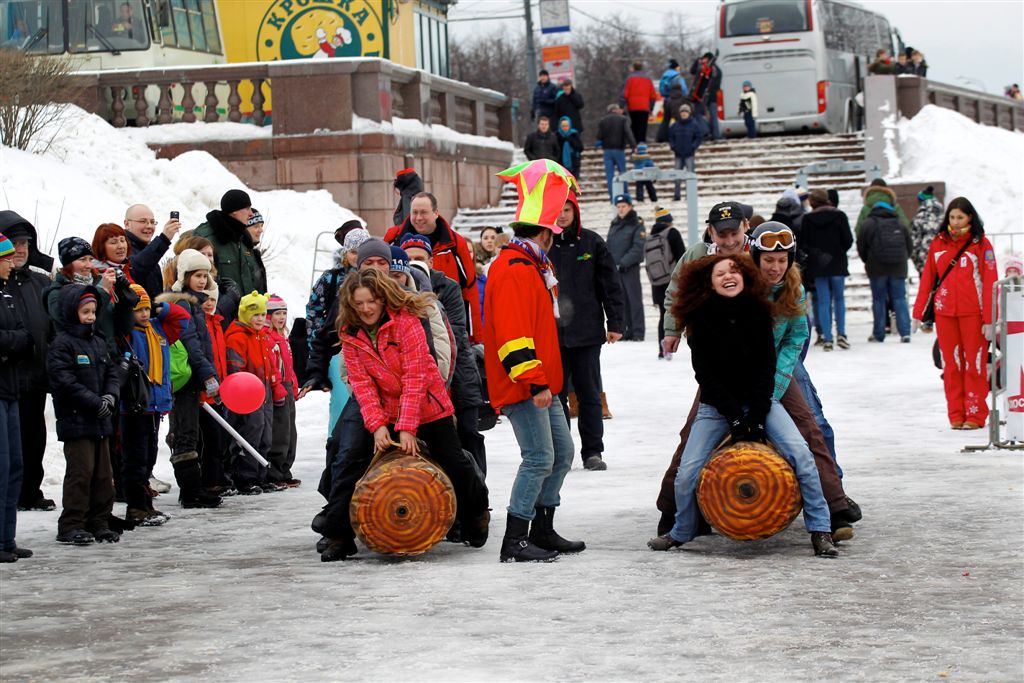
(879, 193)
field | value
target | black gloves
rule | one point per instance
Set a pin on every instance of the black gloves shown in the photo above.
(746, 429)
(318, 383)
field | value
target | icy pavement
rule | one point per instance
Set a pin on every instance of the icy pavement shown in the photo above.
(930, 589)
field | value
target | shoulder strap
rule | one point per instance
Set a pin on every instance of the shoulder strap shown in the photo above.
(952, 264)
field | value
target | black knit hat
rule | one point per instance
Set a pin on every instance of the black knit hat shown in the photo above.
(233, 200)
(72, 248)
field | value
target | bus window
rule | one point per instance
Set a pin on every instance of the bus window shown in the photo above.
(210, 24)
(760, 17)
(195, 24)
(106, 26)
(35, 26)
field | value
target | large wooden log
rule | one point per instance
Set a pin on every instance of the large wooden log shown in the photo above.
(747, 491)
(403, 505)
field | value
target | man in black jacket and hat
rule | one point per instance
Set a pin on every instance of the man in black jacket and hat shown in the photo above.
(146, 248)
(28, 278)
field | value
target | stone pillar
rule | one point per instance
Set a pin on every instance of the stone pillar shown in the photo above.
(911, 95)
(416, 96)
(881, 138)
(311, 95)
(371, 90)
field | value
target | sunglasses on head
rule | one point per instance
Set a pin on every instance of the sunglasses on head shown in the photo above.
(770, 241)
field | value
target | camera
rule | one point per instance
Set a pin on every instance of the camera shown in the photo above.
(174, 215)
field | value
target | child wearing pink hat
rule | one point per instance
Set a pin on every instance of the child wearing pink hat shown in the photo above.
(284, 436)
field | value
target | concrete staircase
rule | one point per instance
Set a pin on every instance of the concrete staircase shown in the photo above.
(754, 172)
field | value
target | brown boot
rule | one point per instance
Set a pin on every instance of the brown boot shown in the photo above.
(605, 413)
(574, 406)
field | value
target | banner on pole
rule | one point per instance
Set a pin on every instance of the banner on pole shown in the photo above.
(554, 16)
(558, 62)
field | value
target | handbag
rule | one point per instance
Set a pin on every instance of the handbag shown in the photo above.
(928, 316)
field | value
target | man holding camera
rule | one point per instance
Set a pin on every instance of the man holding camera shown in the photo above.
(146, 250)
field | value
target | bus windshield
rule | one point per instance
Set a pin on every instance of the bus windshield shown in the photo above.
(761, 17)
(78, 26)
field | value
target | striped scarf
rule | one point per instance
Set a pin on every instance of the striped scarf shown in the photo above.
(155, 371)
(544, 263)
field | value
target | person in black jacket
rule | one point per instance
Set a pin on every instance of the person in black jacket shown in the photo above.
(543, 102)
(662, 250)
(145, 250)
(626, 244)
(84, 381)
(466, 387)
(825, 236)
(408, 184)
(569, 102)
(884, 245)
(589, 293)
(723, 308)
(16, 346)
(614, 135)
(26, 284)
(542, 143)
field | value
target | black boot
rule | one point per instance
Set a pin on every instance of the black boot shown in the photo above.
(190, 482)
(338, 549)
(544, 536)
(516, 546)
(823, 545)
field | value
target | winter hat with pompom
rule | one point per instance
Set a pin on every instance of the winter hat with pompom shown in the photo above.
(276, 303)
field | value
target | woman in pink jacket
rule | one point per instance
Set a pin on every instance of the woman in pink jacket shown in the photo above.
(400, 392)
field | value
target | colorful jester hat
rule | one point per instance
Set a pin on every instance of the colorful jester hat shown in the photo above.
(543, 187)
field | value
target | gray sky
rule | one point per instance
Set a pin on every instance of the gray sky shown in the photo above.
(978, 39)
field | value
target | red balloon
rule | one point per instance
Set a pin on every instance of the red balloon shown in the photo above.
(243, 392)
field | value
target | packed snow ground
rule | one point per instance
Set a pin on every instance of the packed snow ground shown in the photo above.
(930, 587)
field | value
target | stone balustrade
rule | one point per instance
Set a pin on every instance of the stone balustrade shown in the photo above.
(308, 96)
(913, 93)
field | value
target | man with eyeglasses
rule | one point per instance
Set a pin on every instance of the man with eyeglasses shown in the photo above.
(144, 250)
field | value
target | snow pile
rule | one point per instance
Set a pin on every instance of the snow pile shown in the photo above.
(200, 131)
(983, 163)
(416, 130)
(91, 173)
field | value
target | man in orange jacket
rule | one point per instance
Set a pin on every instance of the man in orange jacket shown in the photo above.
(452, 255)
(639, 96)
(524, 365)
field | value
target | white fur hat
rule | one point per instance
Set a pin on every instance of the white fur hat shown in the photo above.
(190, 260)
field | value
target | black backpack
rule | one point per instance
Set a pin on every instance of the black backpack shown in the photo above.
(135, 395)
(889, 245)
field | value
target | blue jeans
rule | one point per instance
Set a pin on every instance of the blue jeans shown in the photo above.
(690, 164)
(896, 289)
(11, 469)
(713, 117)
(708, 430)
(614, 159)
(829, 294)
(803, 380)
(547, 450)
(748, 121)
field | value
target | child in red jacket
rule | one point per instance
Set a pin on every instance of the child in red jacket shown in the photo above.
(247, 352)
(284, 437)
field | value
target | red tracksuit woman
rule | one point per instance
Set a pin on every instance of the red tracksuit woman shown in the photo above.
(963, 310)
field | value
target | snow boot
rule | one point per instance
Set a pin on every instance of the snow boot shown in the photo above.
(105, 535)
(42, 504)
(319, 519)
(474, 531)
(21, 553)
(663, 542)
(190, 482)
(76, 537)
(338, 549)
(322, 544)
(7, 556)
(823, 544)
(516, 546)
(595, 463)
(853, 514)
(544, 536)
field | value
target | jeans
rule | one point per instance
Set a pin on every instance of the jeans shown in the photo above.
(828, 295)
(11, 469)
(748, 121)
(614, 159)
(680, 163)
(582, 369)
(708, 430)
(810, 393)
(713, 117)
(896, 289)
(32, 406)
(546, 448)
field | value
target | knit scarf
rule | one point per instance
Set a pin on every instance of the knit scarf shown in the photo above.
(568, 153)
(544, 263)
(155, 371)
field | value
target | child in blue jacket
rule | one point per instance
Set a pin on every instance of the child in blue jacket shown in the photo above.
(641, 159)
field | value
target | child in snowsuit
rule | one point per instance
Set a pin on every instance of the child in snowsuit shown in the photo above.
(193, 281)
(284, 436)
(150, 343)
(925, 226)
(748, 108)
(247, 352)
(641, 159)
(83, 380)
(213, 445)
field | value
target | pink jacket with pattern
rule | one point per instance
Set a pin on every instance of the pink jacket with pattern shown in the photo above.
(396, 380)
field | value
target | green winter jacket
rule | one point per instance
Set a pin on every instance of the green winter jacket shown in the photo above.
(872, 196)
(234, 255)
(790, 336)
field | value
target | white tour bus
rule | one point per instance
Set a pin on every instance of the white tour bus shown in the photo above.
(115, 34)
(805, 58)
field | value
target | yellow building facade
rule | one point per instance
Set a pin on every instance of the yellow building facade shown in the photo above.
(409, 32)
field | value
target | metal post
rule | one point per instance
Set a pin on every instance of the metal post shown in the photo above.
(531, 51)
(234, 435)
(692, 220)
